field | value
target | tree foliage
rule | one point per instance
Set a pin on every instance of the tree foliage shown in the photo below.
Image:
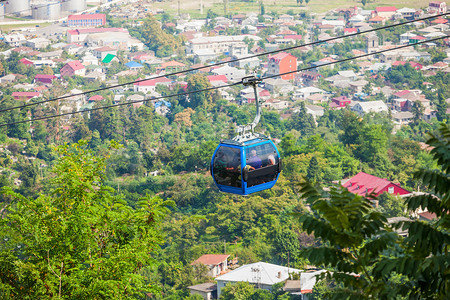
(79, 239)
(366, 257)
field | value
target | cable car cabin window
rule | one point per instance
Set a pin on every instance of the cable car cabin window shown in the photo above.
(262, 164)
(227, 166)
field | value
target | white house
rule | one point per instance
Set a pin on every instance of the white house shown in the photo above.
(232, 73)
(305, 92)
(373, 106)
(262, 275)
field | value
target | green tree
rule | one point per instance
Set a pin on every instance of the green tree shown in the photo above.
(366, 258)
(441, 114)
(425, 258)
(156, 39)
(201, 99)
(241, 290)
(79, 240)
(313, 170)
(417, 110)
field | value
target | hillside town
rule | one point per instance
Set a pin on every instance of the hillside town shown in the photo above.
(87, 46)
(133, 54)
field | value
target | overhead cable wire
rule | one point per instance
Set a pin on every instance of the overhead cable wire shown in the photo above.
(220, 63)
(218, 87)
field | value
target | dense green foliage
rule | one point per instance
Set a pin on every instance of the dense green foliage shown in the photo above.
(78, 239)
(363, 252)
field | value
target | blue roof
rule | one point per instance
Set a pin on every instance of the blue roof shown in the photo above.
(133, 64)
(162, 102)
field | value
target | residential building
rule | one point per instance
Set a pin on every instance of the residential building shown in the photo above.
(44, 78)
(232, 73)
(14, 39)
(357, 86)
(38, 43)
(134, 66)
(437, 7)
(72, 68)
(102, 52)
(385, 11)
(216, 263)
(363, 184)
(280, 63)
(402, 118)
(149, 85)
(207, 290)
(340, 102)
(86, 20)
(25, 95)
(304, 286)
(363, 108)
(261, 275)
(305, 92)
(217, 44)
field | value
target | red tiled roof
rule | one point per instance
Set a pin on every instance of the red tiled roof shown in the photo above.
(385, 9)
(211, 259)
(376, 19)
(402, 93)
(105, 48)
(26, 94)
(44, 76)
(428, 215)
(439, 21)
(293, 36)
(417, 37)
(398, 63)
(172, 63)
(75, 65)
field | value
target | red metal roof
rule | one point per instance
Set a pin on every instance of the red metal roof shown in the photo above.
(362, 184)
(211, 259)
(279, 56)
(26, 61)
(96, 98)
(86, 17)
(152, 82)
(217, 78)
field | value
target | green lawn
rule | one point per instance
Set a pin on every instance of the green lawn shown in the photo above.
(315, 6)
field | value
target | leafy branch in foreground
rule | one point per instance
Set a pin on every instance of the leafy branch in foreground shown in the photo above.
(365, 257)
(80, 240)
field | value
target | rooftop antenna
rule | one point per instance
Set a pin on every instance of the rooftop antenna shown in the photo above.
(256, 276)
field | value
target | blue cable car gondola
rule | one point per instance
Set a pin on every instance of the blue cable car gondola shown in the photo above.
(248, 163)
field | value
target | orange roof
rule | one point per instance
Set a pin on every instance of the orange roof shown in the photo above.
(211, 259)
(172, 63)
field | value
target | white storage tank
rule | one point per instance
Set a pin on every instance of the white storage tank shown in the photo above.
(73, 6)
(2, 11)
(18, 7)
(50, 10)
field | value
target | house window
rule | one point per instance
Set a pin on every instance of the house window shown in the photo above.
(391, 190)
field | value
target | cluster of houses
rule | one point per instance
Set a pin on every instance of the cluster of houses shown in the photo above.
(96, 47)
